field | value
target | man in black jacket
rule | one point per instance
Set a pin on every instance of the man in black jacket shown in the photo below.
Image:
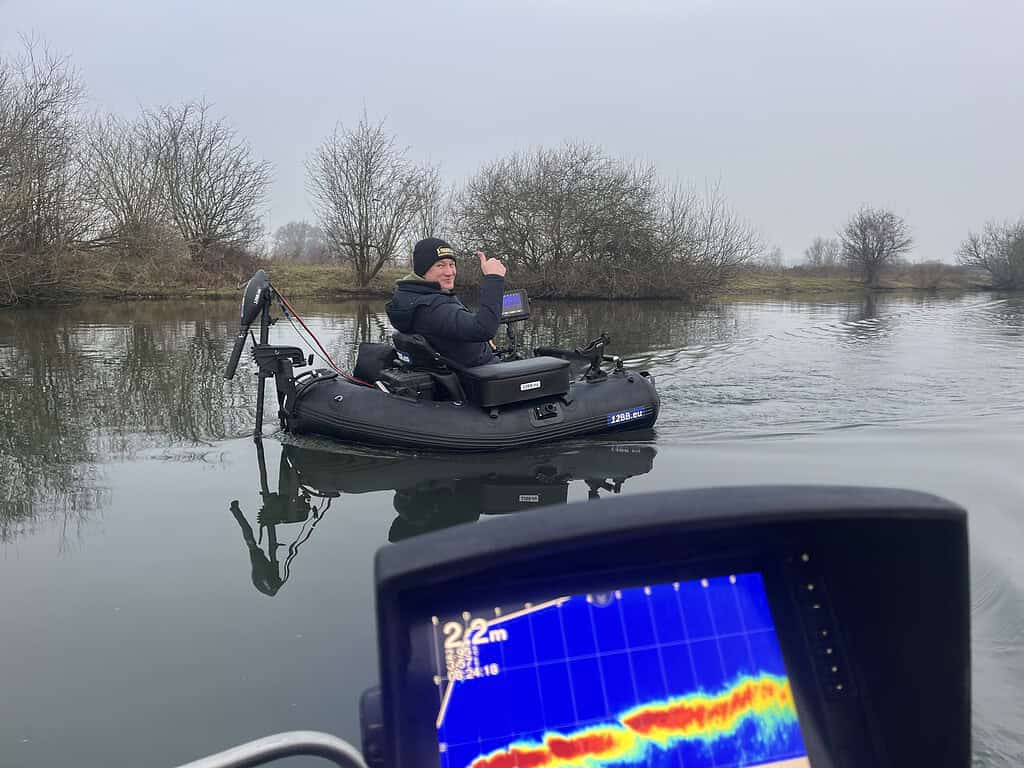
(425, 303)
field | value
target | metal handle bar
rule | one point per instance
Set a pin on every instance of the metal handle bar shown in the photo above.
(288, 744)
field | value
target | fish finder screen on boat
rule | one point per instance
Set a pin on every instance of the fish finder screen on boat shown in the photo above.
(514, 306)
(687, 673)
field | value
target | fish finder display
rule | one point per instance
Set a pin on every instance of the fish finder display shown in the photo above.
(514, 306)
(683, 674)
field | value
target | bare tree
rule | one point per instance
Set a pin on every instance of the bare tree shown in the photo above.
(574, 221)
(872, 239)
(42, 204)
(998, 251)
(213, 182)
(433, 208)
(774, 258)
(556, 208)
(367, 194)
(433, 218)
(10, 140)
(124, 163)
(300, 241)
(706, 243)
(822, 252)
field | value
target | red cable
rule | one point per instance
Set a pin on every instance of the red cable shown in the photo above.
(312, 335)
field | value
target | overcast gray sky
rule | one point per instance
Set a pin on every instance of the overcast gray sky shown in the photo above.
(802, 109)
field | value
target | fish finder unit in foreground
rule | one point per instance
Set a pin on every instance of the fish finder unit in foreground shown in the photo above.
(791, 627)
(772, 626)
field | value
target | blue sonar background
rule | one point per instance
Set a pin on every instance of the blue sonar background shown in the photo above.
(584, 663)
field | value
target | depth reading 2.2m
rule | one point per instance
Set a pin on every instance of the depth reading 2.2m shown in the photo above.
(477, 633)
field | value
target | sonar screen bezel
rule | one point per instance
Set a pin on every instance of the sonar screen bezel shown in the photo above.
(792, 536)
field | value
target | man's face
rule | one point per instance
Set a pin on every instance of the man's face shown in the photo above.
(443, 272)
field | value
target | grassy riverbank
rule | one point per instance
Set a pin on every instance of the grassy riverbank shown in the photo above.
(86, 277)
(79, 277)
(803, 283)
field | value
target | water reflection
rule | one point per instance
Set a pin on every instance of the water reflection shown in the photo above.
(82, 387)
(429, 492)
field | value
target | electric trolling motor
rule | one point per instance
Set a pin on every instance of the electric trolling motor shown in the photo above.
(255, 303)
(270, 359)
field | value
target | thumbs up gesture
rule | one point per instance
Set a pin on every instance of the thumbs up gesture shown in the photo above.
(490, 266)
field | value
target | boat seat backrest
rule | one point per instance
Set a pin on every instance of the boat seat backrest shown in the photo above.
(416, 351)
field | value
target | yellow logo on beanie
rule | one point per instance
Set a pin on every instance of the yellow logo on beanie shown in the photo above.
(444, 252)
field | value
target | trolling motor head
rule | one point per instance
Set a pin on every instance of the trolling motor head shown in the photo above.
(258, 294)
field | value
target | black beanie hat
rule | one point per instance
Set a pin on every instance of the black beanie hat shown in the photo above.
(427, 251)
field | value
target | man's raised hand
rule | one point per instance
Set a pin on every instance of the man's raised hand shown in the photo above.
(490, 266)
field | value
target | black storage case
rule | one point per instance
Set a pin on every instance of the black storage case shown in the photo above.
(418, 384)
(513, 382)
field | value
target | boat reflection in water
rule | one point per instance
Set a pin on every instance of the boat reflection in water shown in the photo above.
(431, 492)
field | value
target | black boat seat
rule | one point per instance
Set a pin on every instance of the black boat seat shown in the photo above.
(515, 381)
(415, 352)
(413, 349)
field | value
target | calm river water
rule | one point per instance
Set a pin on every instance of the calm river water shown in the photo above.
(146, 618)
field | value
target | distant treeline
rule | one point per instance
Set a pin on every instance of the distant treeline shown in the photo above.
(174, 194)
(875, 241)
(567, 221)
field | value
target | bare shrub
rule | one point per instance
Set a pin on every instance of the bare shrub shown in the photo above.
(213, 182)
(367, 194)
(42, 201)
(433, 206)
(702, 242)
(873, 239)
(773, 259)
(573, 221)
(999, 252)
(556, 208)
(124, 164)
(823, 252)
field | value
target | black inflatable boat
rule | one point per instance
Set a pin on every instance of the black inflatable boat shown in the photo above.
(406, 395)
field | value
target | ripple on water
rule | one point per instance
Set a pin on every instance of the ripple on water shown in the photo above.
(997, 638)
(821, 370)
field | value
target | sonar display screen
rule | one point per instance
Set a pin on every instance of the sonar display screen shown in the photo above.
(683, 674)
(513, 304)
